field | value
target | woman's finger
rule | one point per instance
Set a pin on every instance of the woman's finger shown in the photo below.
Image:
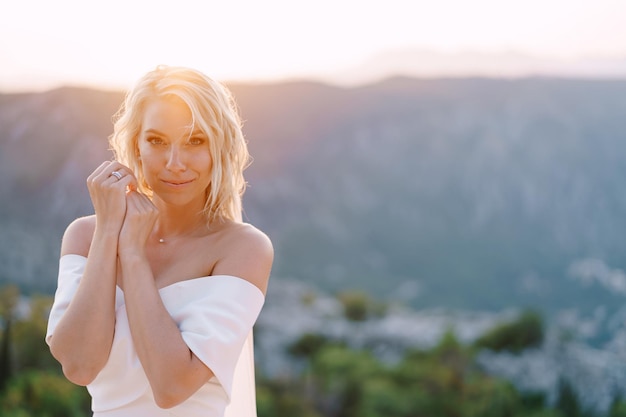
(98, 171)
(115, 172)
(141, 202)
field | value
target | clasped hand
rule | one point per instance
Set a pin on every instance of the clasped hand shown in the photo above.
(119, 207)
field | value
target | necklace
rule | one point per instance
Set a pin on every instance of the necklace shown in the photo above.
(188, 233)
(171, 238)
(175, 237)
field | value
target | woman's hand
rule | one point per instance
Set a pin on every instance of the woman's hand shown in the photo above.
(108, 193)
(138, 223)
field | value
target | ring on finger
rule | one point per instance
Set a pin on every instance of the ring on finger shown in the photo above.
(117, 175)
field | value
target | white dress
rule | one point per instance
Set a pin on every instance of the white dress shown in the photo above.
(215, 315)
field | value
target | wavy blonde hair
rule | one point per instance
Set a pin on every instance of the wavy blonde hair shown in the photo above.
(213, 110)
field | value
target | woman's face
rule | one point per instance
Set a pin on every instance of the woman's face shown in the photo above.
(176, 160)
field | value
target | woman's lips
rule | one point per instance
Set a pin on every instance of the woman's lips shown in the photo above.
(177, 183)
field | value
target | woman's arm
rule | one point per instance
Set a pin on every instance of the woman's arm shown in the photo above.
(174, 371)
(82, 339)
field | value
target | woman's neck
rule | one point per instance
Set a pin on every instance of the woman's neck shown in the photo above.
(176, 222)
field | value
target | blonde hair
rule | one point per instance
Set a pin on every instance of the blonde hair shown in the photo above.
(213, 111)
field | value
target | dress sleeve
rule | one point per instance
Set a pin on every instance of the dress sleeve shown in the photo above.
(243, 396)
(216, 325)
(71, 269)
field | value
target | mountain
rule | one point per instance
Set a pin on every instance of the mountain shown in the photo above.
(468, 193)
(423, 62)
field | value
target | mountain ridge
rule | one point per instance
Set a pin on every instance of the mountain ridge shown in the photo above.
(474, 193)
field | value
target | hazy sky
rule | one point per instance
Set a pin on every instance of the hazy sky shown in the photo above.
(45, 43)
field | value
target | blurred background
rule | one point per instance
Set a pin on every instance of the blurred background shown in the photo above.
(443, 183)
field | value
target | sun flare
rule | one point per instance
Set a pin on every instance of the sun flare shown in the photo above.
(110, 43)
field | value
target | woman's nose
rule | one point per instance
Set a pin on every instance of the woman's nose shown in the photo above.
(175, 160)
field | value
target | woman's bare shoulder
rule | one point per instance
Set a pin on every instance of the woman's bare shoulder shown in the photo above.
(78, 235)
(248, 233)
(248, 253)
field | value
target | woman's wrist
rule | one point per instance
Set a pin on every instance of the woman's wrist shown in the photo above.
(107, 232)
(131, 257)
(136, 272)
(104, 241)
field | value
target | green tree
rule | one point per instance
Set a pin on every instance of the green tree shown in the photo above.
(31, 350)
(618, 408)
(307, 345)
(339, 373)
(359, 306)
(434, 381)
(278, 397)
(383, 397)
(524, 332)
(9, 297)
(490, 397)
(44, 394)
(568, 403)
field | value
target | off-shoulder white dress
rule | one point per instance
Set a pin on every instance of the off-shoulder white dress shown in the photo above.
(215, 315)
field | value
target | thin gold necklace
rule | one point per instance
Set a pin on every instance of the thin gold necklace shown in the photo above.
(164, 240)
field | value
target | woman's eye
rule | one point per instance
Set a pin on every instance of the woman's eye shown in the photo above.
(154, 140)
(196, 140)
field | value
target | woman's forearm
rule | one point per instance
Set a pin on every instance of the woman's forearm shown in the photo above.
(82, 339)
(174, 372)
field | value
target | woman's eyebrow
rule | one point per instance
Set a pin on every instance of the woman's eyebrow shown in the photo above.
(155, 131)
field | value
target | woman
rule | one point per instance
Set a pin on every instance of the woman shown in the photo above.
(160, 288)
